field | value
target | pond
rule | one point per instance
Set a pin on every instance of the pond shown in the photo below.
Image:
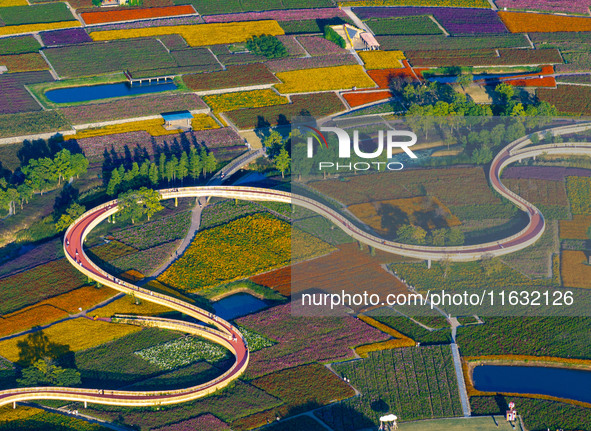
(104, 91)
(567, 383)
(238, 304)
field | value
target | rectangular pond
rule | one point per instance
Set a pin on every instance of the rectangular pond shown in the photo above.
(237, 305)
(104, 91)
(570, 383)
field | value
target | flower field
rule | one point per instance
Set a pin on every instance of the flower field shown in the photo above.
(575, 228)
(431, 3)
(575, 269)
(323, 79)
(13, 95)
(133, 14)
(579, 194)
(318, 105)
(363, 97)
(111, 250)
(132, 107)
(400, 340)
(157, 232)
(382, 77)
(161, 22)
(232, 77)
(182, 351)
(455, 21)
(572, 99)
(199, 35)
(225, 211)
(7, 3)
(410, 329)
(382, 59)
(32, 28)
(244, 99)
(255, 340)
(483, 57)
(316, 45)
(550, 173)
(127, 305)
(65, 37)
(288, 64)
(278, 280)
(37, 14)
(203, 422)
(574, 6)
(539, 192)
(412, 25)
(26, 123)
(153, 127)
(416, 383)
(574, 47)
(521, 22)
(317, 339)
(256, 243)
(42, 282)
(146, 261)
(30, 62)
(53, 421)
(502, 40)
(278, 15)
(74, 333)
(18, 45)
(53, 309)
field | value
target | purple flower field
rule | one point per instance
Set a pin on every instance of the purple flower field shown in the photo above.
(316, 45)
(287, 64)
(550, 173)
(319, 339)
(454, 20)
(65, 37)
(13, 95)
(279, 15)
(291, 45)
(204, 422)
(575, 6)
(184, 20)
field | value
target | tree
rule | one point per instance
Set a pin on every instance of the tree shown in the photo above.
(63, 165)
(182, 169)
(274, 143)
(195, 164)
(79, 165)
(491, 265)
(455, 236)
(209, 163)
(162, 166)
(170, 169)
(405, 233)
(114, 183)
(283, 162)
(41, 174)
(505, 91)
(44, 372)
(97, 3)
(136, 203)
(153, 174)
(438, 237)
(266, 45)
(482, 155)
(419, 235)
(465, 80)
(333, 36)
(72, 213)
(25, 192)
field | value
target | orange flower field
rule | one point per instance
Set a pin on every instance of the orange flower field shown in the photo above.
(575, 228)
(523, 22)
(575, 270)
(363, 97)
(132, 14)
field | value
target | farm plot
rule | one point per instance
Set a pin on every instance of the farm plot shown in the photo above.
(199, 35)
(382, 59)
(27, 123)
(318, 105)
(279, 15)
(134, 14)
(132, 107)
(484, 57)
(307, 26)
(578, 7)
(13, 95)
(571, 99)
(202, 422)
(181, 352)
(549, 173)
(321, 339)
(363, 97)
(332, 60)
(19, 45)
(417, 383)
(417, 43)
(309, 385)
(574, 47)
(256, 243)
(575, 269)
(65, 37)
(157, 232)
(323, 79)
(445, 3)
(316, 45)
(232, 77)
(549, 196)
(37, 284)
(31, 62)
(37, 14)
(411, 25)
(579, 194)
(520, 22)
(455, 21)
(244, 99)
(382, 77)
(411, 329)
(575, 228)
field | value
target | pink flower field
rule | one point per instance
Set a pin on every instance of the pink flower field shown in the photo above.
(575, 6)
(279, 15)
(315, 340)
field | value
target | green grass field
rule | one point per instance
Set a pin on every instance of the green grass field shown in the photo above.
(485, 423)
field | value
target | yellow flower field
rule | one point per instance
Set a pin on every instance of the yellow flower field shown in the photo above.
(153, 127)
(244, 99)
(323, 79)
(575, 270)
(126, 305)
(400, 340)
(79, 334)
(7, 413)
(382, 59)
(7, 3)
(575, 228)
(199, 35)
(31, 28)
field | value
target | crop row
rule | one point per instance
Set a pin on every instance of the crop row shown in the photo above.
(279, 15)
(430, 3)
(486, 57)
(65, 37)
(318, 105)
(157, 232)
(574, 269)
(405, 43)
(207, 7)
(539, 192)
(323, 79)
(232, 77)
(288, 64)
(455, 21)
(33, 28)
(44, 13)
(572, 99)
(161, 22)
(202, 422)
(382, 59)
(416, 383)
(13, 95)
(411, 25)
(244, 99)
(19, 45)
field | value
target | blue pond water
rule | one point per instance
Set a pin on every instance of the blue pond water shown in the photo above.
(104, 91)
(558, 382)
(238, 304)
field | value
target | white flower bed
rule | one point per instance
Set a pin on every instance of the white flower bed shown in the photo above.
(180, 352)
